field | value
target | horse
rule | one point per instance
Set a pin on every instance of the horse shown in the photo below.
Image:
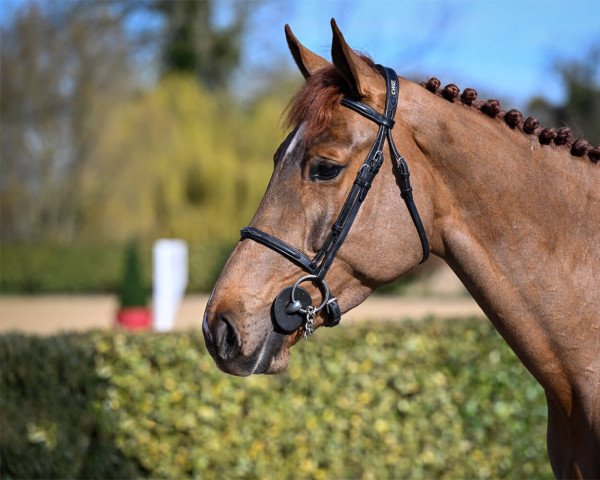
(512, 208)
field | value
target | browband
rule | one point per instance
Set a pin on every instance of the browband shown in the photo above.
(368, 112)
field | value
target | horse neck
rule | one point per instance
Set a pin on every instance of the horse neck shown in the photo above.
(515, 220)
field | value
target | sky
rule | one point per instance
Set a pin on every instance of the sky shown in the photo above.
(505, 49)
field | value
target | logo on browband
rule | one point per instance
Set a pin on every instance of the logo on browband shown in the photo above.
(393, 87)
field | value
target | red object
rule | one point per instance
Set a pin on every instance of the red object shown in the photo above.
(134, 318)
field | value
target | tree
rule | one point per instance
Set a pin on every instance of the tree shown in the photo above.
(174, 170)
(194, 44)
(581, 108)
(88, 155)
(63, 66)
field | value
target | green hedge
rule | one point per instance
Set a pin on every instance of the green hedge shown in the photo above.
(80, 269)
(93, 268)
(425, 400)
(51, 407)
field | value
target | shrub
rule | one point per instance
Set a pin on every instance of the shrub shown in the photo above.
(419, 400)
(132, 292)
(51, 411)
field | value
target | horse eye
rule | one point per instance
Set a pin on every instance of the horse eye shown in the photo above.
(325, 171)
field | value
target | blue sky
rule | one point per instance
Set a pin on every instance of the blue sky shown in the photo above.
(502, 48)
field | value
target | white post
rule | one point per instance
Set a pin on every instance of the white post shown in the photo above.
(169, 281)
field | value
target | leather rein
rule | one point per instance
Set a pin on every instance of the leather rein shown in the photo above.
(293, 305)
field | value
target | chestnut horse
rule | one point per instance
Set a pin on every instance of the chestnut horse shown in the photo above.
(513, 209)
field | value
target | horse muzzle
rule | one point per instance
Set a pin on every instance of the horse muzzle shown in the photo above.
(292, 315)
(225, 343)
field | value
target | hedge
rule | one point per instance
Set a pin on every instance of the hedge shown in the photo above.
(94, 268)
(435, 399)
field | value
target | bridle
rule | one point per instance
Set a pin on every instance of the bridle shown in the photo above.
(293, 305)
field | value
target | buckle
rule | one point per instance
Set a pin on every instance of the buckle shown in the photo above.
(334, 313)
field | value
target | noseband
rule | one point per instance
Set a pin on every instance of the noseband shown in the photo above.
(293, 305)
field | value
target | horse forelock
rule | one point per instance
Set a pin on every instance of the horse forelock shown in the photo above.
(562, 137)
(314, 103)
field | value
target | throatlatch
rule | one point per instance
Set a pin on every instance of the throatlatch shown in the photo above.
(293, 305)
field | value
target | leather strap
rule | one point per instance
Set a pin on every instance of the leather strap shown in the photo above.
(368, 112)
(401, 170)
(289, 252)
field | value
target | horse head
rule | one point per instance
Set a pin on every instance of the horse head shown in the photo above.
(316, 170)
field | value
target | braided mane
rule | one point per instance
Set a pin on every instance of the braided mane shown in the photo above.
(514, 119)
(316, 100)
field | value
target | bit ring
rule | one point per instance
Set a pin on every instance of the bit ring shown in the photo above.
(322, 286)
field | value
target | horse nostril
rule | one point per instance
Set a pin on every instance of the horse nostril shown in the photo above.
(230, 336)
(226, 338)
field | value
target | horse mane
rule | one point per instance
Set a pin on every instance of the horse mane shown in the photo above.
(514, 119)
(314, 104)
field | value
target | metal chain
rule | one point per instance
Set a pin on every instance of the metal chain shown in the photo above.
(309, 328)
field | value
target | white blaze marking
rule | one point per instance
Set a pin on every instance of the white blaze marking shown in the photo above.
(297, 136)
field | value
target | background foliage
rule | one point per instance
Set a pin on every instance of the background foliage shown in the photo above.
(132, 291)
(435, 399)
(195, 176)
(126, 120)
(94, 151)
(89, 268)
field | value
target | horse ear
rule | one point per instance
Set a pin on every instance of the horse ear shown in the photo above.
(361, 77)
(307, 61)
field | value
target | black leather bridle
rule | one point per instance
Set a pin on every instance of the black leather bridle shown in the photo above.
(293, 305)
